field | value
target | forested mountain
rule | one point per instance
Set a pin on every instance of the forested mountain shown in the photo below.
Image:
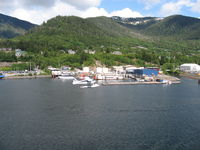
(110, 26)
(64, 32)
(176, 26)
(103, 29)
(11, 27)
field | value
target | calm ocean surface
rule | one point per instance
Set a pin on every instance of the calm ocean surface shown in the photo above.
(50, 114)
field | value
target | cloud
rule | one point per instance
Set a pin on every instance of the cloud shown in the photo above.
(40, 3)
(6, 6)
(40, 15)
(83, 4)
(62, 8)
(79, 4)
(38, 11)
(94, 12)
(172, 8)
(196, 6)
(126, 12)
(149, 3)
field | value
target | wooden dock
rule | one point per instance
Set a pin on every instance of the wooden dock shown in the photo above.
(135, 83)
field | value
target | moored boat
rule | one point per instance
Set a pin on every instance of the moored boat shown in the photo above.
(85, 81)
(66, 77)
(166, 81)
(1, 76)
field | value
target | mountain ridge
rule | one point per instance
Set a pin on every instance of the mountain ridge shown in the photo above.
(11, 27)
(179, 26)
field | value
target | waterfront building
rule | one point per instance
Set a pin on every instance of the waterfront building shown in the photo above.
(118, 69)
(190, 68)
(145, 72)
(102, 70)
(86, 69)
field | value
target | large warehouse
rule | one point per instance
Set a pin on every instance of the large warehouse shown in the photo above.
(190, 68)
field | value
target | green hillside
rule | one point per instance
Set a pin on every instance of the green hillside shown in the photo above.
(77, 33)
(111, 27)
(11, 27)
(70, 32)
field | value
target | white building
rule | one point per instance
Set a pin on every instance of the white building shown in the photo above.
(90, 51)
(56, 73)
(102, 70)
(86, 69)
(118, 69)
(190, 68)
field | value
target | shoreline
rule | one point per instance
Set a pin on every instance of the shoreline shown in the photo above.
(191, 76)
(27, 77)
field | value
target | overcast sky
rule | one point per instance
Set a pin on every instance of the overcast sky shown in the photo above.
(37, 11)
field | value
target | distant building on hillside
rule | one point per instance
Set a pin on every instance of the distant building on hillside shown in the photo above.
(90, 51)
(71, 52)
(6, 49)
(19, 53)
(190, 68)
(117, 53)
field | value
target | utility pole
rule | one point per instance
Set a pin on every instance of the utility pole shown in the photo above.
(30, 66)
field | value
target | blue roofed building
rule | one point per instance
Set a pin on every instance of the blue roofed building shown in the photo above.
(146, 72)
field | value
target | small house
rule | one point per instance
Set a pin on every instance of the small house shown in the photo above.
(19, 53)
(90, 51)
